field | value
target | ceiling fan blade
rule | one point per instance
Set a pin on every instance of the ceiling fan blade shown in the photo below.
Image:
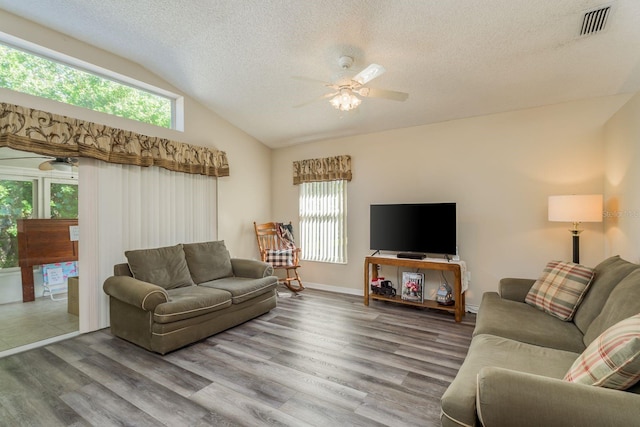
(381, 93)
(325, 96)
(45, 166)
(369, 73)
(308, 79)
(24, 158)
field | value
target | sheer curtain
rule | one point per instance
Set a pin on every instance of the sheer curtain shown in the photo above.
(124, 207)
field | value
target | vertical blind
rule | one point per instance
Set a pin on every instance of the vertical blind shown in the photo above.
(323, 221)
(124, 207)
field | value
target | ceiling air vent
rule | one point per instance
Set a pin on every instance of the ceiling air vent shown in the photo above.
(594, 21)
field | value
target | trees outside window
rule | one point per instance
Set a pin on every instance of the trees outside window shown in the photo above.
(63, 201)
(28, 73)
(16, 202)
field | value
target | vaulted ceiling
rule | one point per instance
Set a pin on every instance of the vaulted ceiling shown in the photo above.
(455, 58)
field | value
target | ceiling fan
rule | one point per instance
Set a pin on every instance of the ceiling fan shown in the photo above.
(344, 92)
(57, 163)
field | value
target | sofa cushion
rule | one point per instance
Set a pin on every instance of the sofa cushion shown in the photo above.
(607, 275)
(243, 289)
(560, 288)
(459, 400)
(192, 301)
(522, 322)
(165, 267)
(208, 261)
(622, 303)
(612, 360)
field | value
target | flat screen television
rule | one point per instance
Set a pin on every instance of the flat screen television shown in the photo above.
(424, 228)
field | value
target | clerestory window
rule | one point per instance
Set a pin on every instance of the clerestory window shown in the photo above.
(25, 72)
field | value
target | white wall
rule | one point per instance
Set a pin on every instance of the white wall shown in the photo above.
(499, 169)
(622, 183)
(242, 197)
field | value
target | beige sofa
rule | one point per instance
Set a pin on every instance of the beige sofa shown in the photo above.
(513, 373)
(166, 298)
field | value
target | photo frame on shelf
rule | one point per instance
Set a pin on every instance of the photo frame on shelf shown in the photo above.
(412, 286)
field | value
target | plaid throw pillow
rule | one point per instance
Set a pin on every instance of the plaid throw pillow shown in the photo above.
(612, 360)
(560, 289)
(280, 258)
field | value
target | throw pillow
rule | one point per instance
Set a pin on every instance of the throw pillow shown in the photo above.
(560, 289)
(208, 261)
(280, 258)
(165, 267)
(612, 360)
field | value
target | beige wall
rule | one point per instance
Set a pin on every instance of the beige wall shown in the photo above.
(499, 169)
(622, 182)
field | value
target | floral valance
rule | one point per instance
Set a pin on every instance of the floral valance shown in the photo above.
(49, 134)
(326, 169)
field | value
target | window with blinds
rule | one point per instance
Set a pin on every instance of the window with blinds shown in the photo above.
(323, 221)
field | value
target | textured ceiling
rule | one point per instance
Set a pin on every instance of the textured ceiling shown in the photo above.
(455, 58)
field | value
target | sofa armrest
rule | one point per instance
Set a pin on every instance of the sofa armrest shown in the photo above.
(511, 398)
(135, 292)
(250, 268)
(515, 289)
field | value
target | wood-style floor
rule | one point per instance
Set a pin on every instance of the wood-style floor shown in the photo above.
(319, 359)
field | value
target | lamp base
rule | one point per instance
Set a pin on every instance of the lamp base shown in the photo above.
(576, 248)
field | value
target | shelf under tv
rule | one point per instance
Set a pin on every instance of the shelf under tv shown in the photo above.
(426, 303)
(370, 263)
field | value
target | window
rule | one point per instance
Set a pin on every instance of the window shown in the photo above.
(323, 221)
(16, 202)
(31, 197)
(63, 200)
(35, 75)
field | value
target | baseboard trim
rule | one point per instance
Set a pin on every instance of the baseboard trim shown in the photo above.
(337, 289)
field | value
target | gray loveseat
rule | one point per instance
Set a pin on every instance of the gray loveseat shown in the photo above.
(513, 373)
(166, 298)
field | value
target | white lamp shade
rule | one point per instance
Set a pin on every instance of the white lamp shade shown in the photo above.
(576, 208)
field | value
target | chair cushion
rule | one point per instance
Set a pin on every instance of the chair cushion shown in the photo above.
(192, 301)
(165, 267)
(280, 258)
(612, 360)
(208, 261)
(560, 289)
(243, 289)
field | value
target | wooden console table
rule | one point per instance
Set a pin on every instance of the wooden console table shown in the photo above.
(458, 294)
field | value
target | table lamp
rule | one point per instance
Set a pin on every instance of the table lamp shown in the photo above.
(576, 209)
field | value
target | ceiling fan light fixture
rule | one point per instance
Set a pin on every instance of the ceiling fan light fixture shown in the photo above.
(64, 167)
(345, 100)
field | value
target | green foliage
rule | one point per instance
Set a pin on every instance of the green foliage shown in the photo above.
(64, 201)
(15, 202)
(34, 75)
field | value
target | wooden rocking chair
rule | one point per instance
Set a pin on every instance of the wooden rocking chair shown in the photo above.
(281, 253)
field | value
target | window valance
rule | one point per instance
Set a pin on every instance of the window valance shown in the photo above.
(50, 134)
(325, 169)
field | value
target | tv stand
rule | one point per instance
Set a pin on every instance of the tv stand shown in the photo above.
(457, 309)
(411, 255)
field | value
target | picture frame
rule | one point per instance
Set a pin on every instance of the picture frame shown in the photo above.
(412, 286)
